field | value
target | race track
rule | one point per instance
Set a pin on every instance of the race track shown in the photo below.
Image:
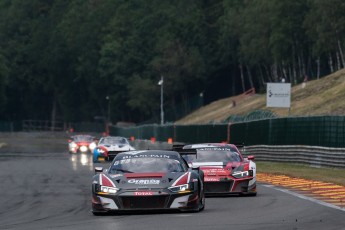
(52, 191)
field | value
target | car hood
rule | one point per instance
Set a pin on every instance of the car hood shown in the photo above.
(82, 142)
(145, 180)
(217, 168)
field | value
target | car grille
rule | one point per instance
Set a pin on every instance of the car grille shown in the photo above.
(217, 187)
(112, 154)
(144, 202)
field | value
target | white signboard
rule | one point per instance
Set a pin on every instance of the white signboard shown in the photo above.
(278, 95)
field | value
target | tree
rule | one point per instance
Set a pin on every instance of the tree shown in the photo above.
(326, 29)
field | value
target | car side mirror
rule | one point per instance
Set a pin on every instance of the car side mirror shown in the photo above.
(98, 169)
(251, 157)
(196, 168)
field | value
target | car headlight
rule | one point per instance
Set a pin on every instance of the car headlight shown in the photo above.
(108, 190)
(73, 145)
(92, 145)
(180, 188)
(241, 174)
(83, 148)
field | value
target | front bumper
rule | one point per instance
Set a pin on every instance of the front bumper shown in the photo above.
(230, 186)
(126, 201)
(81, 149)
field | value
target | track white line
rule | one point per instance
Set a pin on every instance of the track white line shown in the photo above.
(306, 198)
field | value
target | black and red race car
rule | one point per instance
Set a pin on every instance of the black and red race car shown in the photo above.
(147, 180)
(226, 171)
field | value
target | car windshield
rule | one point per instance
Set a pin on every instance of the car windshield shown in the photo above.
(83, 138)
(214, 155)
(114, 141)
(141, 165)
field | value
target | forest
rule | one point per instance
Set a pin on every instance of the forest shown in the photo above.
(83, 60)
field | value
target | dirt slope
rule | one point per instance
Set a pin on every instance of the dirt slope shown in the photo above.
(325, 96)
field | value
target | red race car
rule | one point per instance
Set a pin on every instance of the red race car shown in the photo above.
(226, 171)
(81, 143)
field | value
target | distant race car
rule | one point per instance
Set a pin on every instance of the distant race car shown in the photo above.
(108, 147)
(226, 170)
(147, 180)
(81, 143)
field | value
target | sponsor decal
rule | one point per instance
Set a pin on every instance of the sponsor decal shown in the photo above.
(215, 149)
(213, 169)
(208, 179)
(146, 156)
(136, 181)
(211, 174)
(215, 172)
(144, 193)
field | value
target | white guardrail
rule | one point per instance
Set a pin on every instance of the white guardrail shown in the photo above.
(315, 156)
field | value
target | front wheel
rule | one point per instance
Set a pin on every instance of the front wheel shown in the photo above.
(202, 203)
(202, 197)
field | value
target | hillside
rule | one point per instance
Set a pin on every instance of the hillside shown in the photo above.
(325, 96)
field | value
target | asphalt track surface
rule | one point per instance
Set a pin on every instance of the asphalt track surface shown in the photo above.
(53, 191)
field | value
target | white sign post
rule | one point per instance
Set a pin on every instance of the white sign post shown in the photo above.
(278, 95)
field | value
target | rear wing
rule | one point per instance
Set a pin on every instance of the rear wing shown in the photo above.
(182, 151)
(177, 147)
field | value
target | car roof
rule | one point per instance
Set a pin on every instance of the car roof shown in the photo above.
(82, 135)
(113, 137)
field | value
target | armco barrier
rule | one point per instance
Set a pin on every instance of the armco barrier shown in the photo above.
(312, 155)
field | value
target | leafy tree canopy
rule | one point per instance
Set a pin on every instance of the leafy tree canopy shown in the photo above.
(74, 60)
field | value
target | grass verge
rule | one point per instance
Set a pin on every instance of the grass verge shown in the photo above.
(332, 175)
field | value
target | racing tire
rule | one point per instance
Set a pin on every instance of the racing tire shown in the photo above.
(202, 199)
(202, 203)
